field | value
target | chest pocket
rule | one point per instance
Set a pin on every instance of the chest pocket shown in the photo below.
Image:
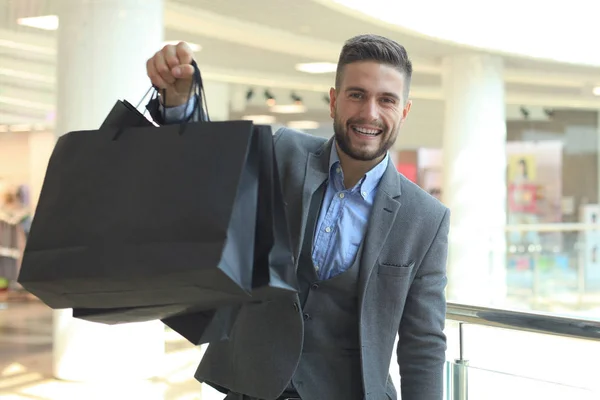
(398, 270)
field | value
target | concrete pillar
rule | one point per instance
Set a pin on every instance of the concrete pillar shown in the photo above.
(475, 177)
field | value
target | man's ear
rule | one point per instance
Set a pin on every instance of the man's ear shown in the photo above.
(332, 102)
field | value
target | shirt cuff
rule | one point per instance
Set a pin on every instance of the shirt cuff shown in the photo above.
(174, 115)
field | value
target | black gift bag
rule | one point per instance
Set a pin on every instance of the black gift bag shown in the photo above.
(151, 217)
(197, 327)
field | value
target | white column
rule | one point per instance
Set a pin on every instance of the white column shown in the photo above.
(218, 99)
(103, 46)
(475, 177)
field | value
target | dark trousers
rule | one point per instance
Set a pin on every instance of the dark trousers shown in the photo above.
(285, 396)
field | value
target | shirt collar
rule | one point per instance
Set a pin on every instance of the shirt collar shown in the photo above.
(371, 179)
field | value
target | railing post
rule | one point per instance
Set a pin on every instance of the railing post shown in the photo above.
(460, 372)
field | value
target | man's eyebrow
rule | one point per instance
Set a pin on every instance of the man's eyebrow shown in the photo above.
(355, 89)
(359, 89)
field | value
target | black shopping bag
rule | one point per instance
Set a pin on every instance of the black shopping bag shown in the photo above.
(124, 114)
(272, 246)
(150, 217)
(145, 216)
(197, 327)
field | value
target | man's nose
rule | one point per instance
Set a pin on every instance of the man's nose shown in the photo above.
(370, 110)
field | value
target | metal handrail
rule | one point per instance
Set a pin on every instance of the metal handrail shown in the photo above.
(537, 322)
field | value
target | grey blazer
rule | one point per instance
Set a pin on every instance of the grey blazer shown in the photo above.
(402, 282)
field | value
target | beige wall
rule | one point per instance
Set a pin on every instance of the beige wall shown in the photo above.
(424, 126)
(14, 157)
(24, 157)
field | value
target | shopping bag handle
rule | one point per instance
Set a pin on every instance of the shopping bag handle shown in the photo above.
(196, 90)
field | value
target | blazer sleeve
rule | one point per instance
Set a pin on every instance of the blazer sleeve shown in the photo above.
(422, 345)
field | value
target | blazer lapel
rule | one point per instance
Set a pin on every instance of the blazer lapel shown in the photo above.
(383, 216)
(317, 171)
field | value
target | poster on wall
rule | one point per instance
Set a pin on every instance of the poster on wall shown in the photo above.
(522, 186)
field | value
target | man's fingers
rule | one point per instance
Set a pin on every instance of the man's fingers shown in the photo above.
(162, 69)
(154, 76)
(184, 53)
(185, 71)
(170, 54)
(171, 69)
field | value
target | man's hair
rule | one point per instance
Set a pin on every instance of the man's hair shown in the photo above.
(374, 48)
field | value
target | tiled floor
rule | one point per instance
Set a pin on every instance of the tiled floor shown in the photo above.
(26, 365)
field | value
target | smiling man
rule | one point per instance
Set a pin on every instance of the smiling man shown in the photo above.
(370, 249)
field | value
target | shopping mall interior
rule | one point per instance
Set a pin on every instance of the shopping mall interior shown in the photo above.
(504, 130)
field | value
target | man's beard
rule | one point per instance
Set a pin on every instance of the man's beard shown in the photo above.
(342, 137)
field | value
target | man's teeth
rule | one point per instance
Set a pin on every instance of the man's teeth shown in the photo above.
(366, 131)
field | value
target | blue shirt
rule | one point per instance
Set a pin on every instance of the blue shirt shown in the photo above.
(343, 218)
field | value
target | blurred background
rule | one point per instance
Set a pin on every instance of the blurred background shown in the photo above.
(504, 129)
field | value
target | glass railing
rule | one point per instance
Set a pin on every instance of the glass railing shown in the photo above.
(538, 267)
(553, 266)
(503, 354)
(486, 384)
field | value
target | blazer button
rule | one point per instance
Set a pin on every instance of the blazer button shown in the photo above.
(315, 286)
(296, 307)
(306, 317)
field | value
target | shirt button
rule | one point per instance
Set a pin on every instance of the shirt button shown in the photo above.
(364, 194)
(316, 267)
(341, 195)
(338, 170)
(328, 229)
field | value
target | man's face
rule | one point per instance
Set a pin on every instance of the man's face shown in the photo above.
(368, 109)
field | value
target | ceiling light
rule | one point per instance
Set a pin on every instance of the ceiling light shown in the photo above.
(288, 109)
(195, 47)
(46, 22)
(303, 125)
(316, 67)
(596, 91)
(260, 119)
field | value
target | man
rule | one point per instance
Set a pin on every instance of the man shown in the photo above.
(370, 250)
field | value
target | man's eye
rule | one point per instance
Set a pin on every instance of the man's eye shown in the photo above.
(388, 100)
(356, 95)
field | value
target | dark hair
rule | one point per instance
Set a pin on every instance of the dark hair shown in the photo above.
(374, 48)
